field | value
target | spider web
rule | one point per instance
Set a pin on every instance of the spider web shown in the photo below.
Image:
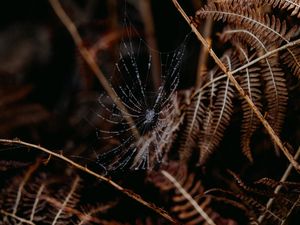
(151, 110)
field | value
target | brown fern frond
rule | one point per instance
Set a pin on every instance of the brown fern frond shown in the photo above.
(293, 7)
(271, 72)
(249, 18)
(276, 92)
(60, 213)
(269, 28)
(182, 207)
(251, 83)
(254, 197)
(195, 112)
(251, 201)
(12, 207)
(288, 60)
(218, 115)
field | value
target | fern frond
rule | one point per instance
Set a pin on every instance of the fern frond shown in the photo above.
(271, 73)
(195, 112)
(288, 60)
(248, 18)
(276, 92)
(251, 83)
(15, 193)
(292, 6)
(218, 116)
(268, 28)
(70, 200)
(189, 204)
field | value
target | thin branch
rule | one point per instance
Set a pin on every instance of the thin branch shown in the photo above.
(278, 188)
(188, 197)
(127, 192)
(87, 56)
(243, 94)
(146, 13)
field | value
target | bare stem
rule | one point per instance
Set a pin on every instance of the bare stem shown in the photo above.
(87, 56)
(243, 94)
(146, 13)
(127, 192)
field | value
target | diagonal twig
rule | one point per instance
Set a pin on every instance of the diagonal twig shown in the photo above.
(87, 56)
(243, 94)
(125, 191)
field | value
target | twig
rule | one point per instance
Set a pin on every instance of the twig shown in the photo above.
(188, 197)
(65, 19)
(243, 94)
(145, 11)
(127, 192)
(278, 188)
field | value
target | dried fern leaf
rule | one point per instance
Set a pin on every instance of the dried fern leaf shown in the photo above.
(271, 73)
(59, 214)
(269, 26)
(251, 83)
(276, 92)
(12, 205)
(218, 116)
(288, 59)
(194, 115)
(292, 6)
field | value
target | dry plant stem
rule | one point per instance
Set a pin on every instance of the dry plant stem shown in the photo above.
(127, 192)
(278, 188)
(265, 123)
(188, 197)
(146, 13)
(87, 56)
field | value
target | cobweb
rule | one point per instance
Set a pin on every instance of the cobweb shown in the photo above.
(152, 110)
